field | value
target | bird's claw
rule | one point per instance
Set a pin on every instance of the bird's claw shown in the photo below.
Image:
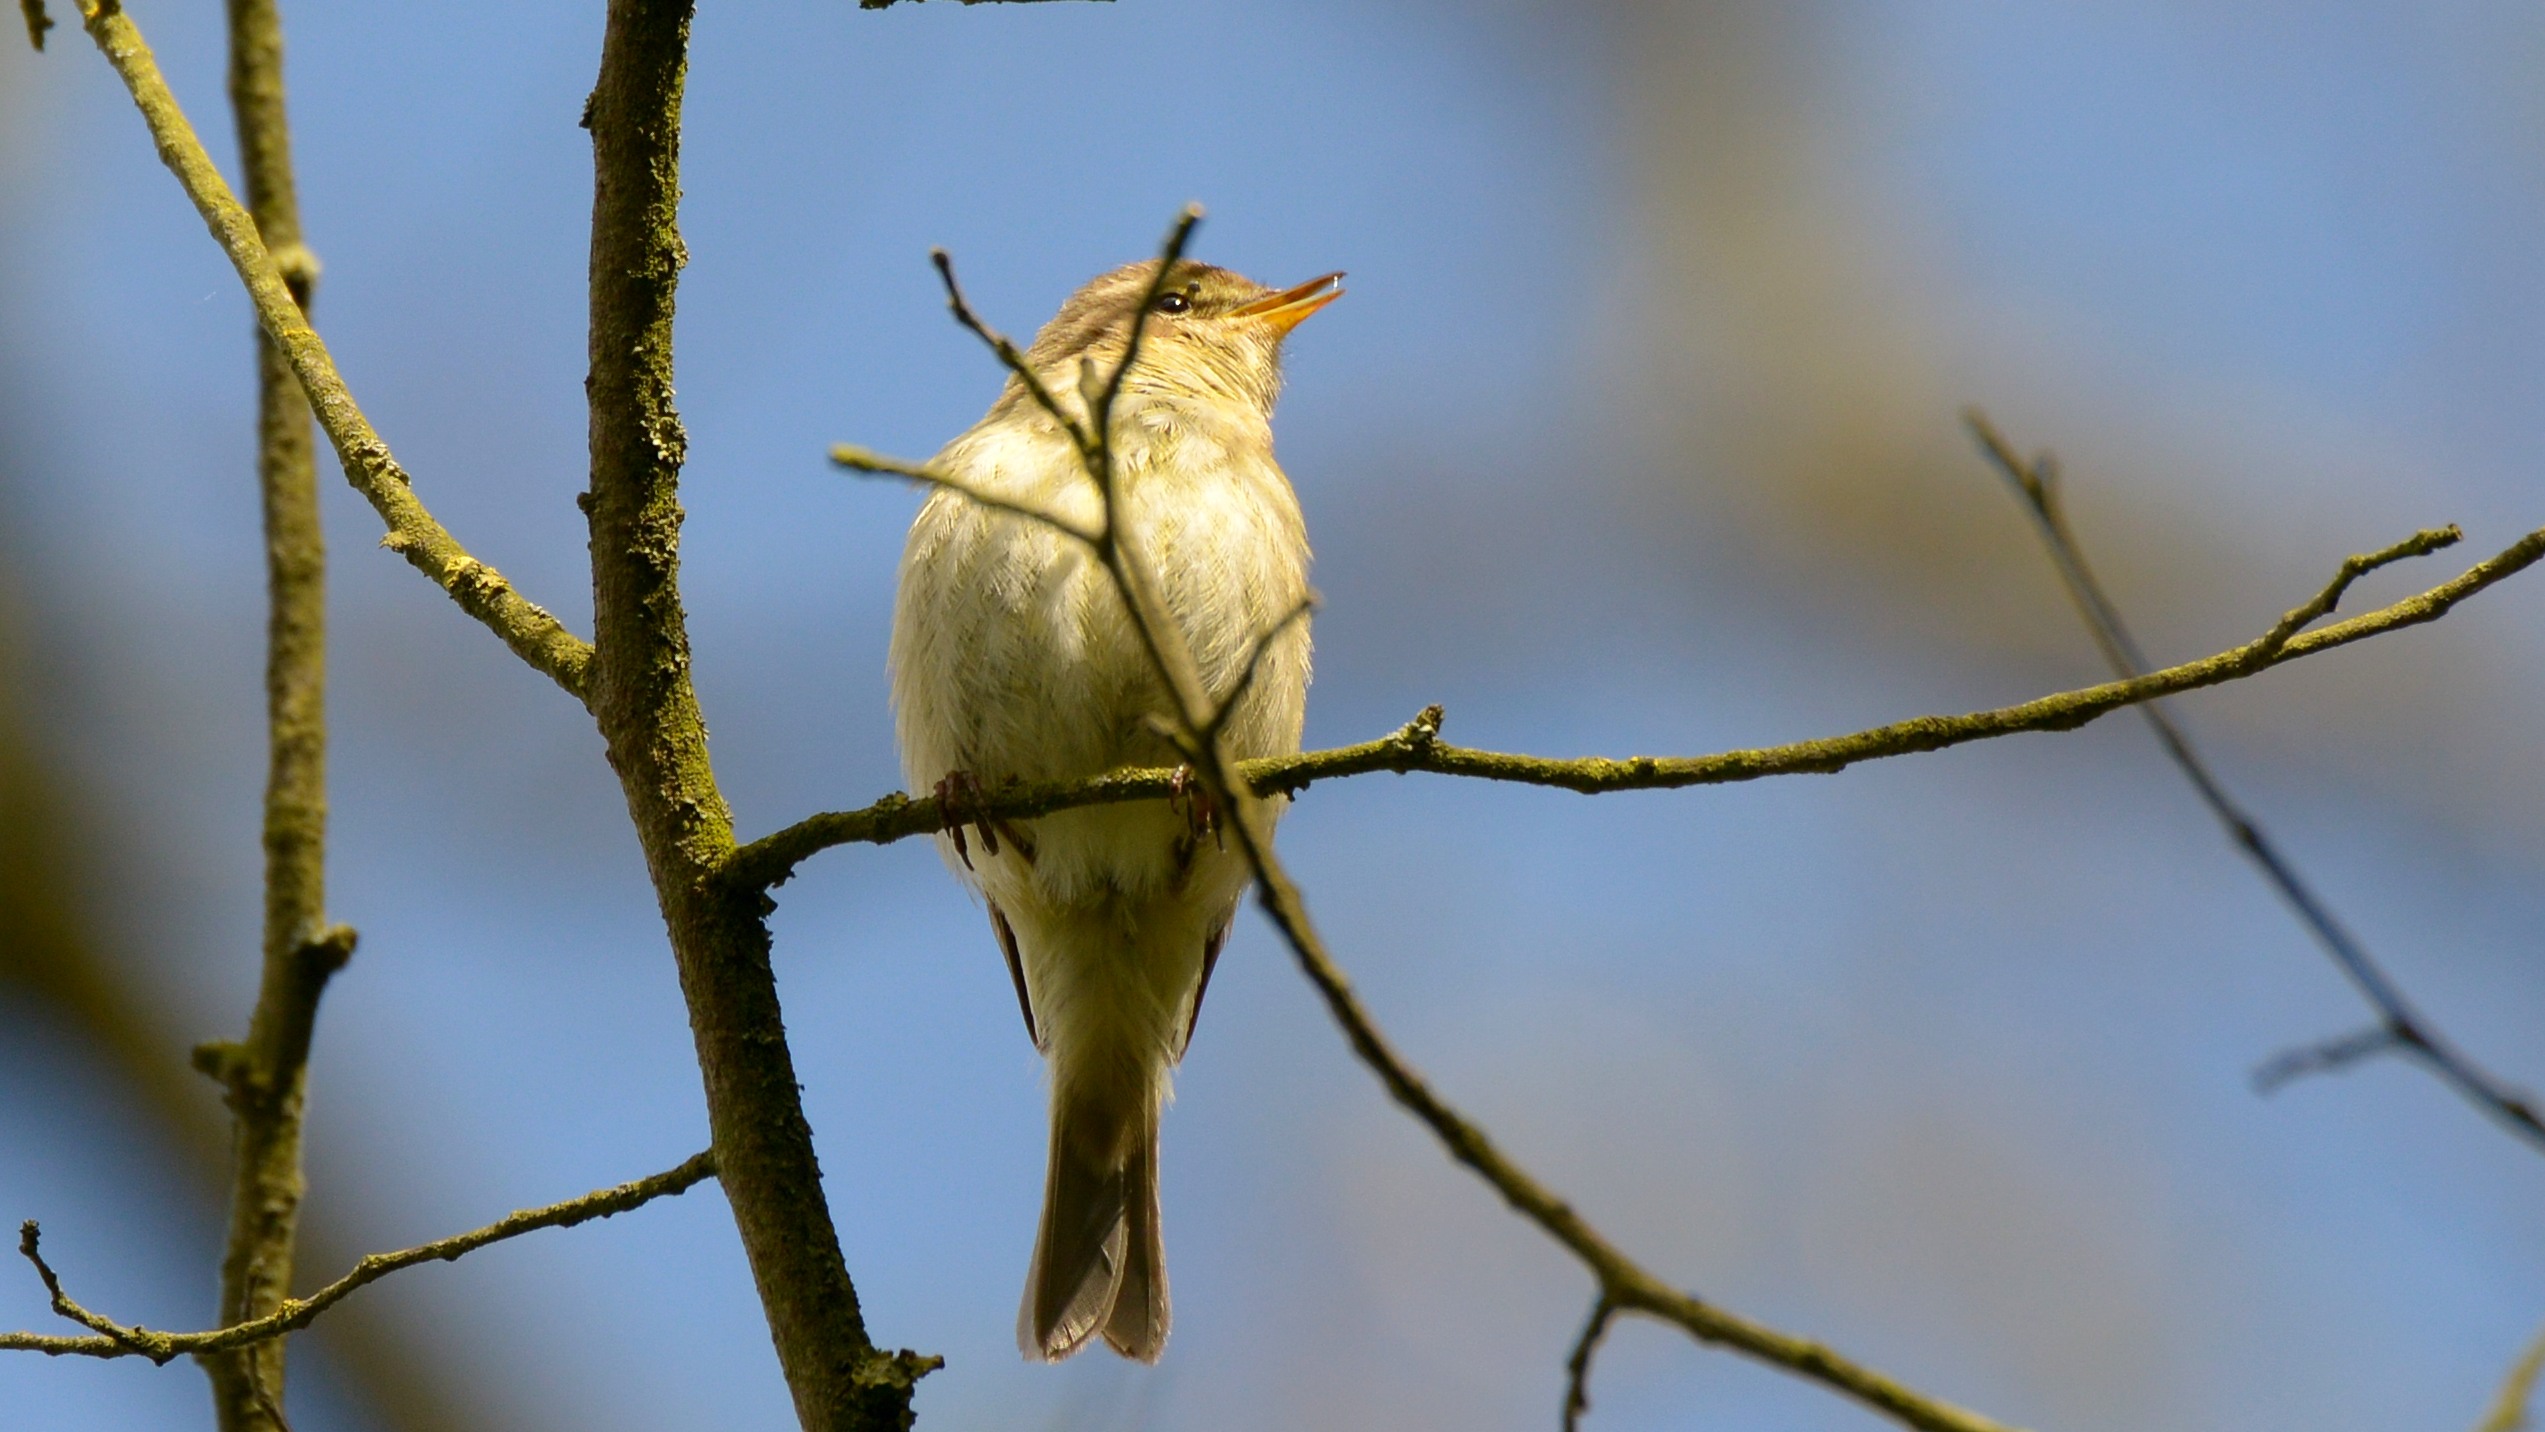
(960, 802)
(1186, 795)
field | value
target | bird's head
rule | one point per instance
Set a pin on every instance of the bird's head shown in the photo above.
(1211, 335)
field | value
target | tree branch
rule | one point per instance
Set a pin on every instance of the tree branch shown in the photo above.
(2401, 1027)
(481, 591)
(874, 464)
(115, 1339)
(266, 1076)
(771, 859)
(1577, 1368)
(641, 696)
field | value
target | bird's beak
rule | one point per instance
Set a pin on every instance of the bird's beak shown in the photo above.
(1290, 307)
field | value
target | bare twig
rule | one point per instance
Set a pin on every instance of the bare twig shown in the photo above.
(482, 592)
(37, 21)
(2324, 1056)
(772, 858)
(1577, 1368)
(1101, 404)
(115, 1339)
(2401, 1028)
(2508, 1412)
(1226, 706)
(863, 460)
(1008, 353)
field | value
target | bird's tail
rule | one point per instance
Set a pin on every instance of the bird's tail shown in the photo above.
(1100, 1258)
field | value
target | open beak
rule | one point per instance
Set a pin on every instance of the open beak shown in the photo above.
(1290, 307)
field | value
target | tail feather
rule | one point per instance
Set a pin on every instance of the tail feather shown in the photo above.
(1138, 1326)
(1099, 1260)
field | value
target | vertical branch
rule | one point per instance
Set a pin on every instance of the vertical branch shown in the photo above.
(267, 1075)
(640, 694)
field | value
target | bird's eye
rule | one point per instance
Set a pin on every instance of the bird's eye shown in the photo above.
(1174, 303)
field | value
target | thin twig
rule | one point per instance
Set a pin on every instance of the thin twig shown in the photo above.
(863, 460)
(2508, 1412)
(1577, 1368)
(1008, 354)
(2325, 1056)
(37, 21)
(1621, 1281)
(1226, 706)
(119, 1340)
(1100, 411)
(481, 591)
(2401, 1028)
(771, 859)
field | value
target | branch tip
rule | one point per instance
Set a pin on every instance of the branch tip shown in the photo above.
(293, 1314)
(2399, 1027)
(1577, 1368)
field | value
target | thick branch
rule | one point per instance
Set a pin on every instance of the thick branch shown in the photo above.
(640, 694)
(266, 1076)
(2401, 1027)
(115, 1339)
(772, 858)
(480, 590)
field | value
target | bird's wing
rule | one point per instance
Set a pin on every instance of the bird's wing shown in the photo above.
(1210, 961)
(1016, 972)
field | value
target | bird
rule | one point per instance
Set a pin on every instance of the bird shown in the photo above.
(1014, 659)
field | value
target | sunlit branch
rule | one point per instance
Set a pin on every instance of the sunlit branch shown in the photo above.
(1417, 747)
(481, 591)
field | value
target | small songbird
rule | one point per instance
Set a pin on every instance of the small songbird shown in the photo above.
(1015, 659)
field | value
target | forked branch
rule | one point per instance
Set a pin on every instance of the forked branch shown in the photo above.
(114, 1339)
(2400, 1028)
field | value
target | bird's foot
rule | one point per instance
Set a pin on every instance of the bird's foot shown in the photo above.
(1187, 796)
(960, 802)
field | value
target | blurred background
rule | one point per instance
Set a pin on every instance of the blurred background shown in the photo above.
(1637, 434)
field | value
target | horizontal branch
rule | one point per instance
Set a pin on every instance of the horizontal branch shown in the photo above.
(115, 1339)
(481, 591)
(771, 859)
